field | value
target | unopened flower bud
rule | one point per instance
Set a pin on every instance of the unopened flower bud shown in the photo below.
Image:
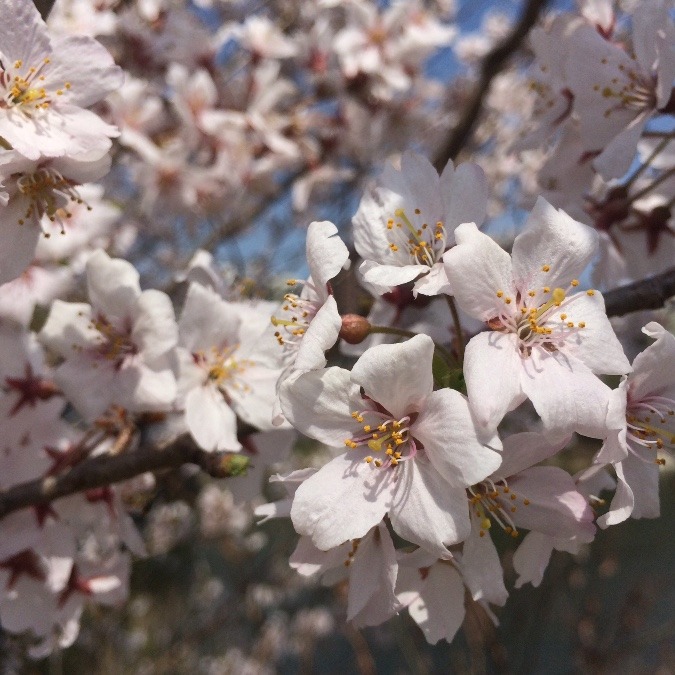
(354, 329)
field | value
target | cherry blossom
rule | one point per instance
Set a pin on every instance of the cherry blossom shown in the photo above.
(118, 349)
(411, 451)
(404, 226)
(545, 338)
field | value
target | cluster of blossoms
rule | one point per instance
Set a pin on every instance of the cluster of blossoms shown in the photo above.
(462, 335)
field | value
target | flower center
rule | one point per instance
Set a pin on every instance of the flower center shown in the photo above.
(424, 245)
(651, 425)
(222, 368)
(24, 88)
(494, 502)
(297, 315)
(637, 91)
(47, 193)
(384, 434)
(538, 317)
(114, 344)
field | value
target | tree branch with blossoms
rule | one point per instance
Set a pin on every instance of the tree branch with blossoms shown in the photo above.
(106, 470)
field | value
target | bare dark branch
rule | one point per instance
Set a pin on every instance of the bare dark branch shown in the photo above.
(491, 65)
(106, 470)
(651, 293)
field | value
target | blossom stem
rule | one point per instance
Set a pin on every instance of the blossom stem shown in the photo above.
(657, 181)
(459, 335)
(390, 330)
(645, 165)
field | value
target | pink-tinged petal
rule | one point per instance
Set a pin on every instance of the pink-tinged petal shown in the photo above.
(439, 607)
(565, 394)
(531, 558)
(618, 155)
(307, 560)
(17, 242)
(155, 331)
(478, 268)
(526, 449)
(615, 447)
(321, 335)
(212, 423)
(319, 404)
(434, 283)
(622, 504)
(427, 510)
(492, 367)
(554, 241)
(113, 285)
(643, 478)
(654, 368)
(90, 390)
(385, 277)
(481, 568)
(446, 430)
(326, 253)
(595, 344)
(23, 33)
(341, 501)
(398, 376)
(207, 321)
(555, 506)
(88, 68)
(372, 579)
(464, 196)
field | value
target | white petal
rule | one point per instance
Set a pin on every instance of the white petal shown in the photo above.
(341, 501)
(491, 396)
(481, 568)
(397, 376)
(477, 269)
(446, 429)
(551, 238)
(427, 510)
(321, 335)
(326, 253)
(210, 420)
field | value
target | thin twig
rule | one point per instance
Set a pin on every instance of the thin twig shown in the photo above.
(492, 64)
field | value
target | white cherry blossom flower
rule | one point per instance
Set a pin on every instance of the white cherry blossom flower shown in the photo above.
(404, 226)
(411, 451)
(45, 86)
(228, 368)
(117, 350)
(546, 339)
(642, 421)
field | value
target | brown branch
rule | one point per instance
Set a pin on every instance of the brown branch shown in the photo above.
(44, 7)
(652, 293)
(106, 470)
(492, 64)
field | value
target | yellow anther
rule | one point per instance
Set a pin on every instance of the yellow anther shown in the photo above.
(485, 523)
(526, 502)
(291, 282)
(574, 282)
(545, 268)
(393, 247)
(582, 324)
(547, 289)
(661, 462)
(378, 463)
(531, 293)
(563, 317)
(367, 427)
(369, 459)
(500, 294)
(507, 301)
(417, 212)
(570, 324)
(590, 292)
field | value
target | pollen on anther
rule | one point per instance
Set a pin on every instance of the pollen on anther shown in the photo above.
(545, 268)
(500, 294)
(590, 292)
